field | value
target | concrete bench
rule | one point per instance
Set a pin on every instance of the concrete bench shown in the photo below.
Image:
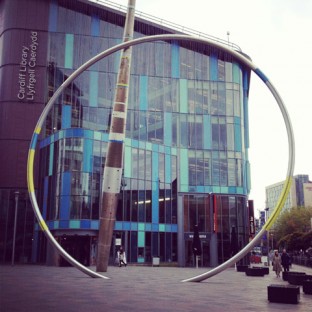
(297, 279)
(254, 272)
(307, 286)
(284, 293)
(266, 270)
(288, 273)
(241, 267)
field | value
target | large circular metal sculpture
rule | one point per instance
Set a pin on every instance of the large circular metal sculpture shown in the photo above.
(243, 59)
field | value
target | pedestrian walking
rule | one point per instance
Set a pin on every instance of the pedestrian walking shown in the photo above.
(285, 260)
(121, 255)
(277, 263)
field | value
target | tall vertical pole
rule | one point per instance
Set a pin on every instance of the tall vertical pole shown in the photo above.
(14, 228)
(114, 158)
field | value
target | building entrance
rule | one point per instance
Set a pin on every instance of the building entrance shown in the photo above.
(204, 259)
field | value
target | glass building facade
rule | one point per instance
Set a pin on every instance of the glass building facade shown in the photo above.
(186, 149)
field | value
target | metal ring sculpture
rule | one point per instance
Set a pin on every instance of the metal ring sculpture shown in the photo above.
(85, 66)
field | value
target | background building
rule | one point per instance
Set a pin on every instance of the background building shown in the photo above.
(186, 152)
(300, 194)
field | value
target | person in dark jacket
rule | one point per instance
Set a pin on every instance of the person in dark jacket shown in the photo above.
(285, 260)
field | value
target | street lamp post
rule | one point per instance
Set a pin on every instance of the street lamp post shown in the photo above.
(14, 228)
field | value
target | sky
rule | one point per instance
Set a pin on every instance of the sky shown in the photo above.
(276, 34)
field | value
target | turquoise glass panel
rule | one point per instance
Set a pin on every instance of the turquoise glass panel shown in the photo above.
(155, 202)
(175, 60)
(53, 16)
(97, 136)
(143, 93)
(167, 168)
(69, 50)
(141, 226)
(168, 228)
(161, 228)
(66, 116)
(184, 167)
(213, 68)
(237, 137)
(74, 224)
(87, 155)
(168, 129)
(51, 159)
(127, 162)
(155, 167)
(207, 131)
(95, 25)
(236, 73)
(141, 239)
(183, 96)
(94, 89)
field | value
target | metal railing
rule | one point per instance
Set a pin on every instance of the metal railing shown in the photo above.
(168, 24)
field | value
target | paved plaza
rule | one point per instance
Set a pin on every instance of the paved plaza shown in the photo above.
(34, 288)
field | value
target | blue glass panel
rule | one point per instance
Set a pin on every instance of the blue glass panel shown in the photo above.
(126, 226)
(134, 226)
(51, 159)
(69, 50)
(118, 226)
(69, 133)
(155, 202)
(64, 224)
(53, 16)
(56, 224)
(94, 89)
(74, 224)
(143, 93)
(141, 239)
(207, 131)
(64, 207)
(95, 25)
(148, 227)
(94, 224)
(183, 96)
(167, 168)
(232, 190)
(168, 228)
(127, 162)
(155, 167)
(77, 133)
(85, 224)
(184, 167)
(174, 228)
(87, 155)
(155, 227)
(66, 116)
(45, 197)
(175, 60)
(66, 182)
(213, 68)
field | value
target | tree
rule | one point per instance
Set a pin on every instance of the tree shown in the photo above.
(290, 229)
